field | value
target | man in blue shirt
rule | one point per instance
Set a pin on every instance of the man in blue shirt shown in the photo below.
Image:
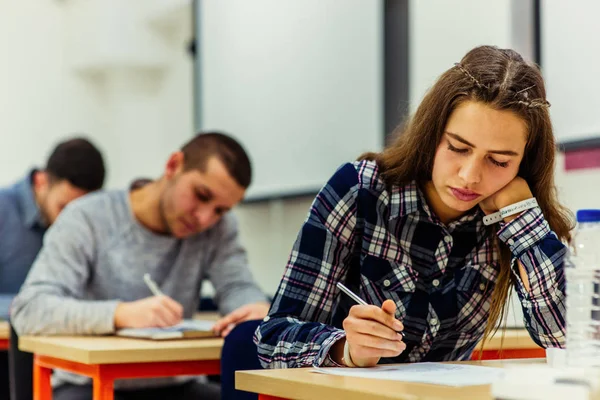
(31, 205)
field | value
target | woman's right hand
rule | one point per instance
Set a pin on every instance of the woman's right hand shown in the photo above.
(372, 333)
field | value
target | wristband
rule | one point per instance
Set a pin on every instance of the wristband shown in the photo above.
(347, 359)
(510, 210)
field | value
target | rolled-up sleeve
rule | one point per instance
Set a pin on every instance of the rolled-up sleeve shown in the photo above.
(542, 254)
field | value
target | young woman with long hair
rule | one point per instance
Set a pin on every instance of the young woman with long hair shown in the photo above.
(432, 232)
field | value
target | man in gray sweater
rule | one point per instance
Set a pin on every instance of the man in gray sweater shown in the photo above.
(88, 277)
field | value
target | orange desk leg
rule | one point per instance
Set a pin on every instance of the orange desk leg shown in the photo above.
(509, 353)
(42, 390)
(269, 397)
(104, 387)
(4, 344)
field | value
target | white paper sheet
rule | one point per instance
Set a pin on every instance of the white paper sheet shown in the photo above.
(169, 332)
(434, 373)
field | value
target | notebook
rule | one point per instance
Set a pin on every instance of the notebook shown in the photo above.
(188, 329)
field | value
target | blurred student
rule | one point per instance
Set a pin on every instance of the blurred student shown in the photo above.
(28, 207)
(88, 278)
(406, 229)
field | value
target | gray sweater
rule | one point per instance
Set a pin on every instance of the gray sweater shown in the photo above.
(96, 254)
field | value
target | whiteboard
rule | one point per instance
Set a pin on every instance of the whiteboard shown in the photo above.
(298, 82)
(570, 64)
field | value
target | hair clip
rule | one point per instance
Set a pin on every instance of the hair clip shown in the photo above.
(464, 70)
(526, 89)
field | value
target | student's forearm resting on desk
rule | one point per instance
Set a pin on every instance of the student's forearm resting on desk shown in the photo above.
(538, 266)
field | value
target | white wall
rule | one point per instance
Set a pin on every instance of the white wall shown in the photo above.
(41, 100)
(268, 230)
(72, 66)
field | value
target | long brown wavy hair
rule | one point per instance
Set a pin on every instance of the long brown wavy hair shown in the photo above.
(501, 79)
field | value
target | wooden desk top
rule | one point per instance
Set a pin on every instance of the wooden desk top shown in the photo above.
(515, 339)
(4, 330)
(120, 350)
(302, 384)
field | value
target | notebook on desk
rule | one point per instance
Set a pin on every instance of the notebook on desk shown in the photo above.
(188, 329)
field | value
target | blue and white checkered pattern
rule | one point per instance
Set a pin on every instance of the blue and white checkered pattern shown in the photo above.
(441, 277)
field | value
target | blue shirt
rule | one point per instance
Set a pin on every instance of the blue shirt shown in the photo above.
(21, 233)
(386, 243)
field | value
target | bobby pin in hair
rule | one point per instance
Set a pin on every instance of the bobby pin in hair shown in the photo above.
(526, 89)
(535, 103)
(467, 73)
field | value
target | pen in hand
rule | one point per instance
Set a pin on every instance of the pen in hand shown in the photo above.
(152, 285)
(354, 297)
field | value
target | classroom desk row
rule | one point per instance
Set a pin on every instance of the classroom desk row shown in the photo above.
(106, 358)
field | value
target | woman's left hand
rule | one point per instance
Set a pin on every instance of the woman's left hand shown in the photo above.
(516, 190)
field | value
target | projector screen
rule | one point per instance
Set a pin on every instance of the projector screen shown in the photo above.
(298, 82)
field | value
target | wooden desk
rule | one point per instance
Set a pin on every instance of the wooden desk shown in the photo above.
(4, 335)
(106, 358)
(302, 384)
(516, 344)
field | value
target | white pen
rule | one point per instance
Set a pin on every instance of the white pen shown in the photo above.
(354, 297)
(351, 294)
(152, 285)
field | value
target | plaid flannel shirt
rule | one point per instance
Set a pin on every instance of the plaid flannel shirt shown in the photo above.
(388, 244)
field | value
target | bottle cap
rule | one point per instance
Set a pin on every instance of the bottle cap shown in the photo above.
(588, 216)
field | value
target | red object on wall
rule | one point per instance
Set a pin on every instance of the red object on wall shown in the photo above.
(582, 159)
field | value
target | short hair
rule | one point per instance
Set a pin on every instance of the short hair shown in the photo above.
(139, 183)
(79, 162)
(230, 152)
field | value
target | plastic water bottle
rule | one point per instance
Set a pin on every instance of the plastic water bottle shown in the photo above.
(583, 292)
